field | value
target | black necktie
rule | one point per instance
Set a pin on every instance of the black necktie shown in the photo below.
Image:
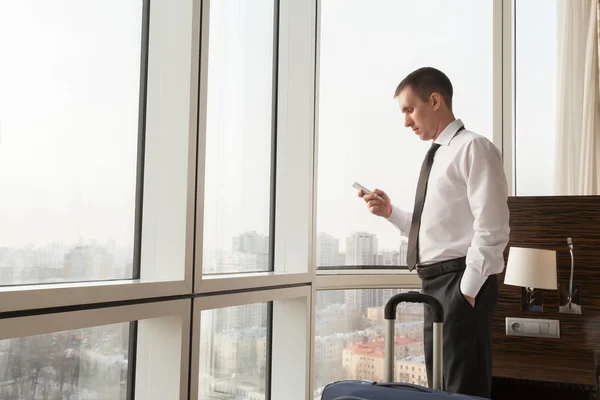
(412, 258)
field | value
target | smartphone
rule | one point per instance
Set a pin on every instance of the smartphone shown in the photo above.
(358, 186)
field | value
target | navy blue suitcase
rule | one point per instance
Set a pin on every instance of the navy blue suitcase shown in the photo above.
(367, 390)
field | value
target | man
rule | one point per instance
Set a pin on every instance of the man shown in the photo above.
(457, 231)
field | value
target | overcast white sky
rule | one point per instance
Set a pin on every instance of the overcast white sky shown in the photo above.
(69, 80)
(69, 103)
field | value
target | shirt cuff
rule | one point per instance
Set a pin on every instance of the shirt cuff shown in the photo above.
(471, 282)
(398, 217)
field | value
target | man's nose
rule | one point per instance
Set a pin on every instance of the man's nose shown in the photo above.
(407, 122)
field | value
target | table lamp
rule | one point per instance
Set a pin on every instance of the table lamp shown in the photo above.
(531, 269)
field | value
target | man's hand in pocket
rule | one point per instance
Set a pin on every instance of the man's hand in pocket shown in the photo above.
(470, 299)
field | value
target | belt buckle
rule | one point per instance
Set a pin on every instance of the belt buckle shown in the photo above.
(422, 272)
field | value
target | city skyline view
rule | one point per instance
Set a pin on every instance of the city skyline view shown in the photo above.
(63, 262)
(349, 338)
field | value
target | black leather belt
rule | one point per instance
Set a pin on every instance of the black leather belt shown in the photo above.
(444, 267)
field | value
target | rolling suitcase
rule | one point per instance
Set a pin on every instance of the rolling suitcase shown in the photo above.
(368, 390)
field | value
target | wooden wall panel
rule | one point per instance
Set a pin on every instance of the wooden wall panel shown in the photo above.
(546, 222)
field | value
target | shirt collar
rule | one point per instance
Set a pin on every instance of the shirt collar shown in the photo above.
(446, 136)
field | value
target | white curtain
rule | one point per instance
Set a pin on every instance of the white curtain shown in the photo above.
(578, 108)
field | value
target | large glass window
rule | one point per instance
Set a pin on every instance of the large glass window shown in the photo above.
(233, 352)
(535, 96)
(349, 337)
(364, 53)
(89, 363)
(115, 141)
(68, 139)
(239, 136)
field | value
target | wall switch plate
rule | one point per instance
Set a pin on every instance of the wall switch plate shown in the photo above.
(533, 327)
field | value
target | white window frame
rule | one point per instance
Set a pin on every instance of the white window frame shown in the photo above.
(172, 111)
(505, 18)
(294, 167)
(171, 99)
(161, 370)
(290, 352)
(33, 297)
(397, 280)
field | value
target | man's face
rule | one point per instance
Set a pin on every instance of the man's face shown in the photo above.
(418, 115)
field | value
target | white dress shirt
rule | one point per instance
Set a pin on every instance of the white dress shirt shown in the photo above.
(465, 211)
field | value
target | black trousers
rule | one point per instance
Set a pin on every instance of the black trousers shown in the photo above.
(467, 334)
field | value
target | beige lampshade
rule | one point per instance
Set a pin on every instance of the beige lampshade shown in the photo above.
(534, 268)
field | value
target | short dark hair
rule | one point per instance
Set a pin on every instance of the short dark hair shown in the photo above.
(425, 81)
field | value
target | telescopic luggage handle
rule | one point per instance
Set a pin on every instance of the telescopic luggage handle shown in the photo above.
(437, 314)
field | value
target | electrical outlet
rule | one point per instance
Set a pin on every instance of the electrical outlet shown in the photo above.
(533, 327)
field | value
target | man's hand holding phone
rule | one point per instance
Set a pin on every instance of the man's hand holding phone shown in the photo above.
(377, 201)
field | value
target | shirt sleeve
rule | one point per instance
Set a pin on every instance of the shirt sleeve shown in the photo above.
(400, 219)
(487, 192)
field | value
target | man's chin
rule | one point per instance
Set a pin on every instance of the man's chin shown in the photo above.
(421, 136)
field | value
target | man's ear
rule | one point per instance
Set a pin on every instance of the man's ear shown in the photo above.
(436, 100)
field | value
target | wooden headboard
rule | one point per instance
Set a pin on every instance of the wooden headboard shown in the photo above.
(546, 222)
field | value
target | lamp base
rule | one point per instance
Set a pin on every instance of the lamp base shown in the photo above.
(532, 300)
(564, 306)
